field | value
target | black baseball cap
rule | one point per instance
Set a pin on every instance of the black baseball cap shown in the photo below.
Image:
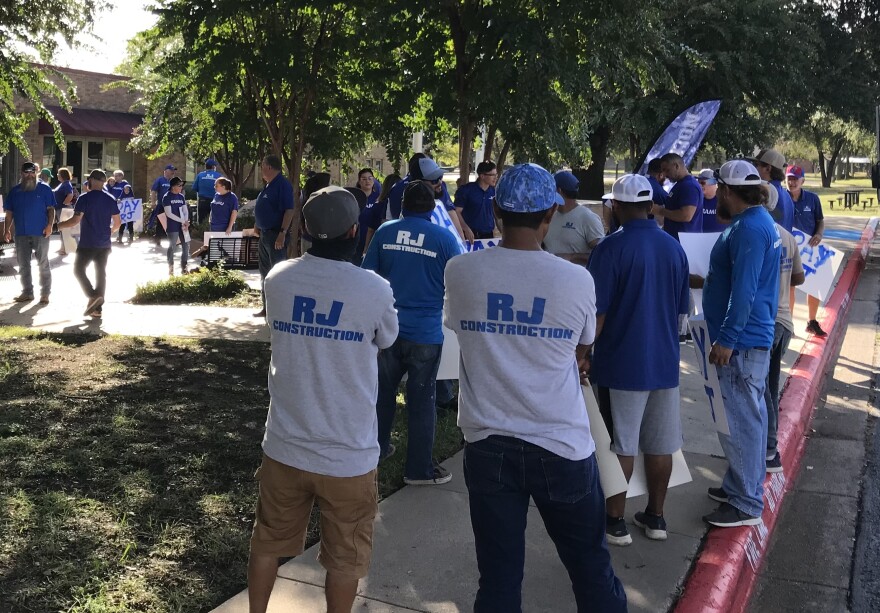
(175, 181)
(29, 167)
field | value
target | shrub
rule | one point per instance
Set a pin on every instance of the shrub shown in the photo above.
(202, 286)
(249, 193)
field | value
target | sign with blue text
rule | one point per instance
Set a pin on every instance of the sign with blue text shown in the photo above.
(820, 265)
(709, 372)
(132, 209)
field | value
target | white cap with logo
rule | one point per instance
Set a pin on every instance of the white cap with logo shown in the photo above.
(630, 188)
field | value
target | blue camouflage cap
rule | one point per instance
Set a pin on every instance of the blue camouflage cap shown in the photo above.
(527, 188)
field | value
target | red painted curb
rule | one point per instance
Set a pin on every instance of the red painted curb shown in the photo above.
(725, 571)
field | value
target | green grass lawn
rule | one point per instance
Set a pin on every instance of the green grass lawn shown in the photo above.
(814, 184)
(126, 470)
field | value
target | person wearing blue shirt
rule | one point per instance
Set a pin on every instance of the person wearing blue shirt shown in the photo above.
(771, 166)
(63, 192)
(473, 203)
(369, 187)
(30, 215)
(224, 207)
(740, 300)
(707, 181)
(684, 210)
(177, 225)
(656, 178)
(641, 277)
(273, 213)
(411, 253)
(809, 219)
(204, 186)
(158, 190)
(97, 214)
(122, 189)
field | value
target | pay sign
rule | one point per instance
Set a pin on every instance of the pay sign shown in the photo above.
(820, 265)
(132, 209)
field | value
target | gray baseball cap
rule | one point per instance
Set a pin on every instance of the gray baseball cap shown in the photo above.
(330, 212)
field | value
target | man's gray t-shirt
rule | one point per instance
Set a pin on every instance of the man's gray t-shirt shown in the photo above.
(328, 320)
(519, 316)
(789, 263)
(573, 232)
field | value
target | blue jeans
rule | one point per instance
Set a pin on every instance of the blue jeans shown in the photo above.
(420, 363)
(742, 388)
(781, 339)
(268, 255)
(172, 247)
(501, 474)
(39, 247)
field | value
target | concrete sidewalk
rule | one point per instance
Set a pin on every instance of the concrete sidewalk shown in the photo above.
(127, 267)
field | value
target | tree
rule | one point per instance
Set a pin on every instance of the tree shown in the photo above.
(27, 83)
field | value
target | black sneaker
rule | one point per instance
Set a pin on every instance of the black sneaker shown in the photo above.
(813, 327)
(718, 494)
(727, 516)
(441, 476)
(616, 532)
(653, 525)
(774, 465)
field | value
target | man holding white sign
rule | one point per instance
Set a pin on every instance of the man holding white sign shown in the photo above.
(740, 299)
(809, 219)
(641, 276)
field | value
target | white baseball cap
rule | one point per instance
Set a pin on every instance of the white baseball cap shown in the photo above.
(739, 172)
(630, 188)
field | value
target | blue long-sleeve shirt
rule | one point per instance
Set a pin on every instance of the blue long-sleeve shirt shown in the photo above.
(783, 214)
(741, 293)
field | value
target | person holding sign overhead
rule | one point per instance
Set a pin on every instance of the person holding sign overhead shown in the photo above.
(740, 300)
(641, 276)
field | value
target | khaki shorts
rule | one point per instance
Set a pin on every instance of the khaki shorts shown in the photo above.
(348, 507)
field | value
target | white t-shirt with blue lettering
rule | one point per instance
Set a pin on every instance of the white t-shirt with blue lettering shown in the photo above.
(519, 315)
(328, 320)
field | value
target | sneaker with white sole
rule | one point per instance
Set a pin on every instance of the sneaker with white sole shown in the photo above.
(717, 494)
(728, 516)
(616, 532)
(653, 525)
(774, 465)
(441, 476)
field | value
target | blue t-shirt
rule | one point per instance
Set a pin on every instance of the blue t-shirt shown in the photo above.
(204, 183)
(29, 209)
(97, 208)
(710, 216)
(783, 214)
(807, 212)
(275, 198)
(686, 192)
(741, 293)
(641, 276)
(221, 210)
(177, 203)
(476, 206)
(395, 201)
(61, 191)
(161, 187)
(119, 190)
(658, 194)
(411, 253)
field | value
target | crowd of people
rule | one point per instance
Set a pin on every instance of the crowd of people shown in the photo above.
(563, 302)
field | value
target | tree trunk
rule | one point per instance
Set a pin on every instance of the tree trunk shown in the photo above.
(466, 130)
(595, 179)
(832, 161)
(490, 143)
(823, 168)
(502, 157)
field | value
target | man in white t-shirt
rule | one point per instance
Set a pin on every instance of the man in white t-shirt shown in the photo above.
(574, 230)
(328, 321)
(525, 320)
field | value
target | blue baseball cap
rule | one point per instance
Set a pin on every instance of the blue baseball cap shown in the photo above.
(426, 169)
(210, 162)
(171, 167)
(527, 188)
(566, 181)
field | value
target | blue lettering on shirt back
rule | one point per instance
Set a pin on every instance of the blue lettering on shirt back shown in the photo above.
(304, 313)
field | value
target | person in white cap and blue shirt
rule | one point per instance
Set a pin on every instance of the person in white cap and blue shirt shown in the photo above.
(641, 276)
(740, 300)
(525, 320)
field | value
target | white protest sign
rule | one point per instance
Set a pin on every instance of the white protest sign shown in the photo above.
(702, 346)
(132, 209)
(610, 473)
(482, 243)
(698, 248)
(440, 217)
(820, 265)
(69, 236)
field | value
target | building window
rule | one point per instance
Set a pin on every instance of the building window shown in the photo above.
(117, 157)
(191, 171)
(50, 154)
(95, 155)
